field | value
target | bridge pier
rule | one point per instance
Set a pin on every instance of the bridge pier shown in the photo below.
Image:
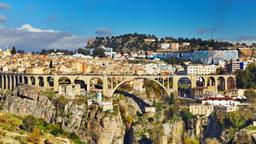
(55, 85)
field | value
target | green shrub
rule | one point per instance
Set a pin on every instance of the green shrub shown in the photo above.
(250, 95)
(186, 115)
(62, 100)
(42, 125)
(57, 132)
(28, 123)
(75, 138)
(50, 94)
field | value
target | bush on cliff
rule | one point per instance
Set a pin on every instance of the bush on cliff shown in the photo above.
(61, 101)
(50, 94)
(9, 122)
(34, 137)
(191, 141)
(75, 138)
(28, 123)
(57, 132)
(250, 95)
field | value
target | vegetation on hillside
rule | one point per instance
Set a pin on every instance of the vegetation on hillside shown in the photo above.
(246, 79)
(136, 42)
(28, 129)
(126, 43)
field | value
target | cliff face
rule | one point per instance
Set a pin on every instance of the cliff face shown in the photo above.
(33, 104)
(212, 128)
(246, 135)
(95, 126)
(89, 122)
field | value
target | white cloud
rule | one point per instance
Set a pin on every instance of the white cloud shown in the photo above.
(4, 6)
(29, 38)
(29, 28)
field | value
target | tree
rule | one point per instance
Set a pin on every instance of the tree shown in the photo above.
(20, 51)
(250, 76)
(13, 51)
(220, 71)
(239, 82)
(250, 95)
(247, 78)
(51, 64)
(44, 52)
(100, 52)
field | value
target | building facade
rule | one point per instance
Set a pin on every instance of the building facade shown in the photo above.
(239, 65)
(206, 57)
(201, 69)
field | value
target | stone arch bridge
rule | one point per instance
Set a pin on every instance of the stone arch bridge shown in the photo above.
(109, 83)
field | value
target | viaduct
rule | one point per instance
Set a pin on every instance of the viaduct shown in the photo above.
(109, 83)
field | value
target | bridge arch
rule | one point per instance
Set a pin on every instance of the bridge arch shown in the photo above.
(82, 83)
(16, 81)
(231, 83)
(20, 79)
(95, 83)
(132, 79)
(221, 83)
(1, 81)
(211, 81)
(12, 83)
(50, 81)
(25, 80)
(33, 80)
(184, 86)
(5, 85)
(8, 82)
(200, 82)
(41, 81)
(64, 81)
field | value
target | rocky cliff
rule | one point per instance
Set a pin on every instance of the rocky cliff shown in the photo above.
(126, 124)
(89, 122)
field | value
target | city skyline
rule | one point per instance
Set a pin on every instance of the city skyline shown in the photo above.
(37, 24)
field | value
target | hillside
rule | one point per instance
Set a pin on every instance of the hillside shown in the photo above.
(136, 42)
(12, 130)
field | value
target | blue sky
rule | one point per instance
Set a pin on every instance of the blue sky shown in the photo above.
(218, 19)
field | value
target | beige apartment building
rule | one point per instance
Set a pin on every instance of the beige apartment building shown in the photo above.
(201, 69)
(81, 67)
(205, 110)
(35, 70)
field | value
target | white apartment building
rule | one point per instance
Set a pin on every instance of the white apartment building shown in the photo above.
(239, 65)
(151, 69)
(220, 101)
(165, 45)
(201, 69)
